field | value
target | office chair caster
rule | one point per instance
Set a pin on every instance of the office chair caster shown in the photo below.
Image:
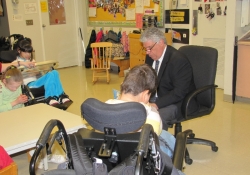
(188, 160)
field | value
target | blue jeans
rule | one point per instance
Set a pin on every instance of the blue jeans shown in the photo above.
(51, 82)
(167, 143)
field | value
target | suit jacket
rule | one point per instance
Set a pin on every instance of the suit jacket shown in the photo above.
(175, 79)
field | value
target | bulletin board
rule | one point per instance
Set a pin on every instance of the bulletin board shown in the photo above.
(104, 18)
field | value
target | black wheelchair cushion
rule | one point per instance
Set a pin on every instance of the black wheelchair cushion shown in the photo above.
(127, 167)
(81, 162)
(124, 117)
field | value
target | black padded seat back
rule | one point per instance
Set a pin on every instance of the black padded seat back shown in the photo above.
(203, 60)
(124, 117)
(38, 92)
(8, 56)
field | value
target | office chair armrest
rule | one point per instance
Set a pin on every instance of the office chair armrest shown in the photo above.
(193, 94)
(180, 148)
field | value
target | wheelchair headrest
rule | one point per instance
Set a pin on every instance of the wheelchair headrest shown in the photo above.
(124, 117)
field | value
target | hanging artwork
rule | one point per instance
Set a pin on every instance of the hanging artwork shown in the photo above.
(1, 7)
(56, 12)
(122, 12)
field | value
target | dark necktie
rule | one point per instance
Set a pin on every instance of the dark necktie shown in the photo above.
(157, 66)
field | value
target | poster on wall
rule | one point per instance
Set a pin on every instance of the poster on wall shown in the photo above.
(30, 8)
(177, 16)
(1, 7)
(179, 35)
(56, 12)
(123, 12)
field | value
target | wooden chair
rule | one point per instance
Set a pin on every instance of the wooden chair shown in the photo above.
(100, 61)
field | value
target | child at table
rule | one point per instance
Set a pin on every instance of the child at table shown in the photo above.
(54, 92)
(11, 96)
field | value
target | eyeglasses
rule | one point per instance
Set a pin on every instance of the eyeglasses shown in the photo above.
(149, 50)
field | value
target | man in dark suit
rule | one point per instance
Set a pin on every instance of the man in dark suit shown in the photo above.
(175, 75)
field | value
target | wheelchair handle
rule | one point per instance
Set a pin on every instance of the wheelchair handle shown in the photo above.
(47, 131)
(144, 138)
(143, 145)
(41, 143)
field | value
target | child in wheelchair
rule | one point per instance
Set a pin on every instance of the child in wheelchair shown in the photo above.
(54, 92)
(137, 86)
(11, 96)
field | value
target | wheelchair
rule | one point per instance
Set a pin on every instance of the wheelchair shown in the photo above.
(35, 95)
(118, 150)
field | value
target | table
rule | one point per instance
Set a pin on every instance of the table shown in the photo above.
(21, 128)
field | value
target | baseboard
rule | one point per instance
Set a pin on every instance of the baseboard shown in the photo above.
(228, 98)
(242, 99)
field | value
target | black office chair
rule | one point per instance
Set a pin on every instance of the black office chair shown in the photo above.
(204, 63)
(116, 151)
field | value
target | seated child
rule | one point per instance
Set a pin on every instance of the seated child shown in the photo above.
(11, 96)
(137, 86)
(54, 92)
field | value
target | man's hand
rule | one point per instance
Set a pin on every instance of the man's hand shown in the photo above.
(154, 105)
(27, 64)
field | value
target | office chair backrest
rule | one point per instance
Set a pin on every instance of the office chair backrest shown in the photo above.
(124, 117)
(204, 63)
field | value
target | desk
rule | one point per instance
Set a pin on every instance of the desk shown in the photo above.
(122, 63)
(21, 128)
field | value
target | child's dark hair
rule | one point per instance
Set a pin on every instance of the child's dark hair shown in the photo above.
(140, 78)
(12, 73)
(24, 46)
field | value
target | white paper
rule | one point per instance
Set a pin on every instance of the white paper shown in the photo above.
(183, 2)
(30, 8)
(139, 3)
(146, 3)
(92, 11)
(156, 8)
(130, 14)
(139, 6)
(18, 17)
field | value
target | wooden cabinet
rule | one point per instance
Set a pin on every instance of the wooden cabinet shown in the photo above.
(137, 56)
(243, 71)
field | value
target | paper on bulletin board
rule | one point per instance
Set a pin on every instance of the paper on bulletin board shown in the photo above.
(139, 6)
(92, 11)
(44, 6)
(156, 8)
(139, 3)
(130, 14)
(138, 20)
(146, 3)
